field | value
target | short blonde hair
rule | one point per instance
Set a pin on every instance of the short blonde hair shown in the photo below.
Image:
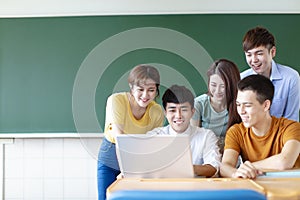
(141, 73)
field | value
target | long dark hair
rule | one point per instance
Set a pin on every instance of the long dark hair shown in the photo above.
(230, 74)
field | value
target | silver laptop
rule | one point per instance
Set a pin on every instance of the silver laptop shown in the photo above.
(154, 156)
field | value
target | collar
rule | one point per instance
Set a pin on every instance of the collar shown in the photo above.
(275, 75)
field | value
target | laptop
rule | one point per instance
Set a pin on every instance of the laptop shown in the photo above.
(154, 156)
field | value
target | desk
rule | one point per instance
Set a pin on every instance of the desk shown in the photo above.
(281, 188)
(272, 188)
(184, 185)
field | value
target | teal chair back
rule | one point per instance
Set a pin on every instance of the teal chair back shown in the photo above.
(240, 194)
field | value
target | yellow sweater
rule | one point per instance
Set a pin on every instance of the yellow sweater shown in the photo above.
(118, 112)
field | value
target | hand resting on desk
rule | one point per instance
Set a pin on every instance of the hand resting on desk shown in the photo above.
(247, 170)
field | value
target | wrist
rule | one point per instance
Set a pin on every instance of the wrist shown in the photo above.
(233, 175)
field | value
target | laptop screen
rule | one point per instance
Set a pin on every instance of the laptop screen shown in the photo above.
(154, 156)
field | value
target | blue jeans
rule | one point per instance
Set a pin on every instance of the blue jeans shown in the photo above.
(108, 167)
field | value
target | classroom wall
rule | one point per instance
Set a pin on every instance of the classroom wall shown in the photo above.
(50, 169)
(65, 168)
(101, 7)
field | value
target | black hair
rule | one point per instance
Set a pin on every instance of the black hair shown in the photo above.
(177, 94)
(260, 85)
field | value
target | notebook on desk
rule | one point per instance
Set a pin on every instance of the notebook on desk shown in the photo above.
(154, 156)
(293, 173)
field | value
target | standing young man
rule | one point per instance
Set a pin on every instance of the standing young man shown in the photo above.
(178, 103)
(262, 140)
(259, 47)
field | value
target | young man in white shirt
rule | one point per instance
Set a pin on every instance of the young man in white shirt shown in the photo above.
(178, 103)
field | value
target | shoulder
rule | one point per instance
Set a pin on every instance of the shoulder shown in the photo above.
(202, 97)
(202, 100)
(236, 129)
(286, 69)
(203, 132)
(289, 129)
(286, 73)
(121, 97)
(117, 101)
(286, 124)
(246, 73)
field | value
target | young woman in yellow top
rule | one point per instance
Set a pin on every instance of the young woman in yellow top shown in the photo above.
(133, 112)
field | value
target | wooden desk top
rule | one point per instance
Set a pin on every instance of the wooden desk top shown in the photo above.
(281, 188)
(184, 184)
(273, 188)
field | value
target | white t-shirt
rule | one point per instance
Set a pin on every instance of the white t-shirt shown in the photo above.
(203, 143)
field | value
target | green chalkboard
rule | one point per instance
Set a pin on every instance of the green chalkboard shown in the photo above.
(56, 72)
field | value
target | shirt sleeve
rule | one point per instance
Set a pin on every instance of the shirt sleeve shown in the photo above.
(232, 138)
(292, 132)
(211, 153)
(293, 101)
(115, 110)
(198, 108)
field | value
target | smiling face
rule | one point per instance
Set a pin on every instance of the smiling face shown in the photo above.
(144, 93)
(179, 115)
(217, 88)
(260, 59)
(251, 111)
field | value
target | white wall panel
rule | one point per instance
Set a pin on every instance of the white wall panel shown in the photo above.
(30, 8)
